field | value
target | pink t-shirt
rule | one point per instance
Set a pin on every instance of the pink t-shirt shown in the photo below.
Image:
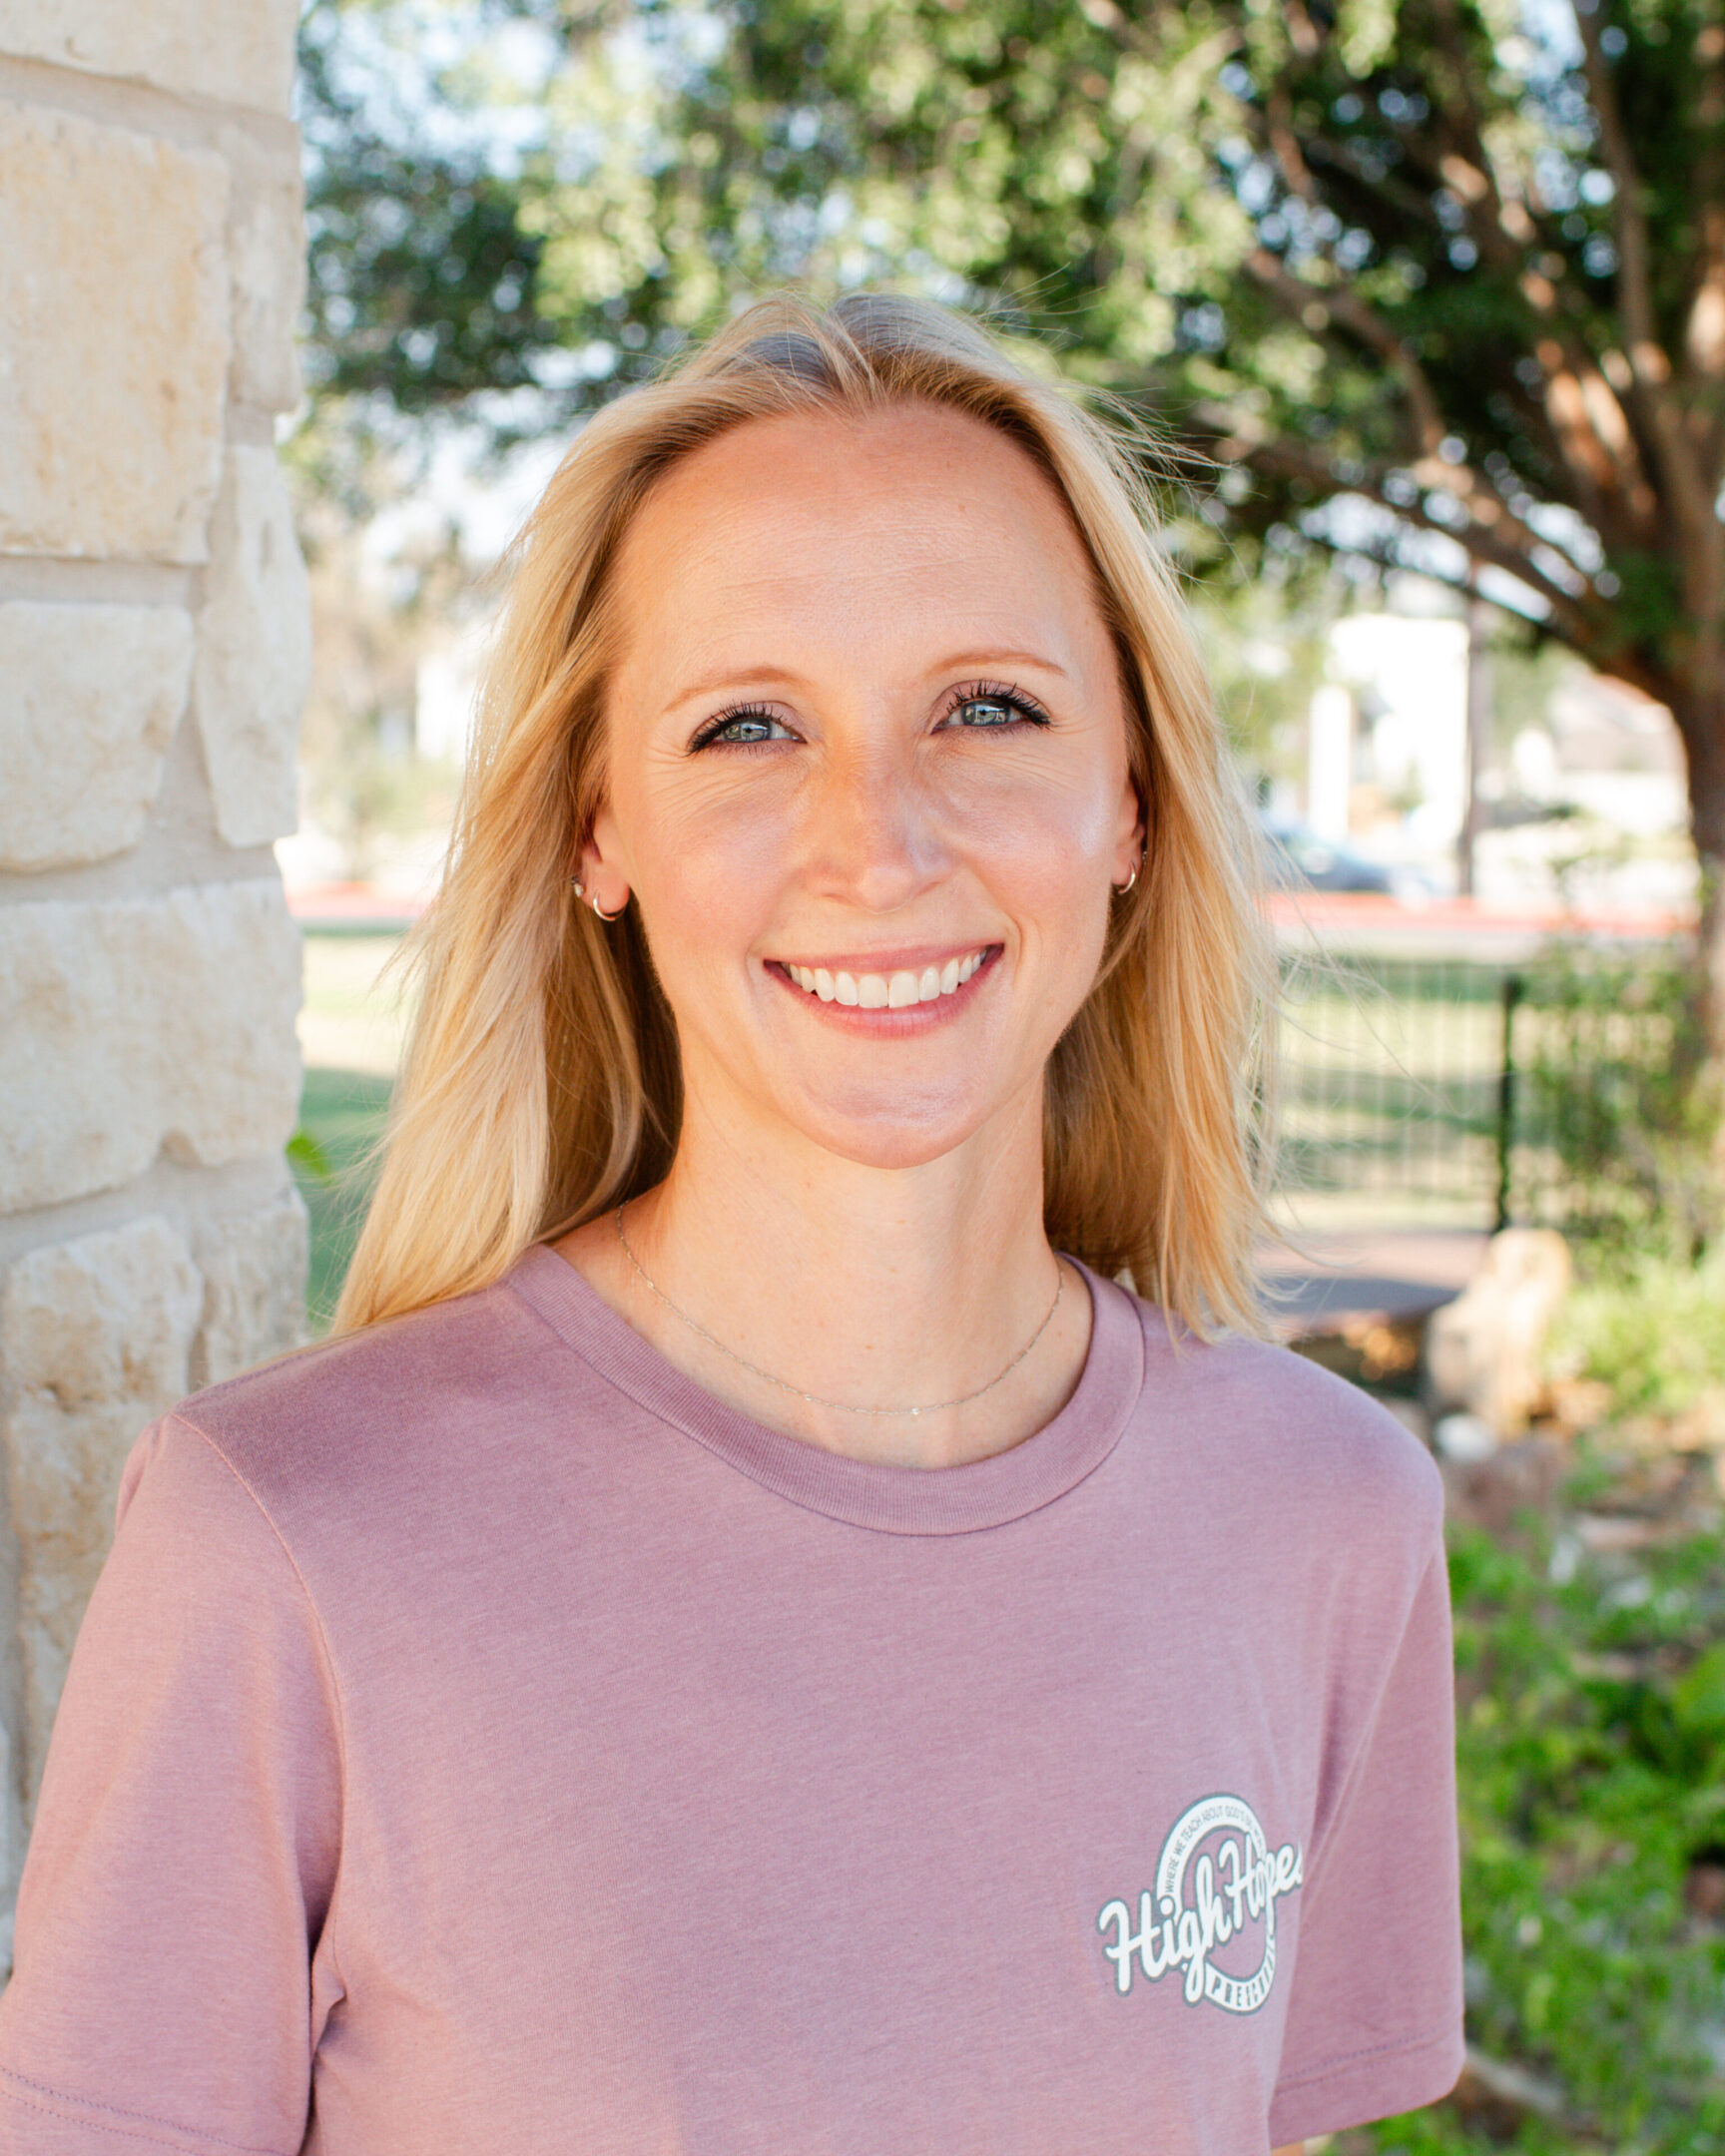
(483, 1739)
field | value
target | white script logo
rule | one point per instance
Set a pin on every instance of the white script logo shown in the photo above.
(1235, 1886)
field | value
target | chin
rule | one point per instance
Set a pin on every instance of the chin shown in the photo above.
(898, 1131)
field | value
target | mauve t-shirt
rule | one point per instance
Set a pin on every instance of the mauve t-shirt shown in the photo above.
(483, 1739)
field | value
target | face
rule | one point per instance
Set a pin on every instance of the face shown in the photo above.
(867, 778)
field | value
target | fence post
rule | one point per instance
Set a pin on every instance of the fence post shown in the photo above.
(1511, 994)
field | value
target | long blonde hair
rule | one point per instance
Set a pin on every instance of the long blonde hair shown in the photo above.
(542, 1082)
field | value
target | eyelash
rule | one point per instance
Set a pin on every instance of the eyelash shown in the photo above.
(717, 724)
(1015, 700)
(969, 693)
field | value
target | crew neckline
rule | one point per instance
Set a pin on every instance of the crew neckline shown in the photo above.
(893, 1500)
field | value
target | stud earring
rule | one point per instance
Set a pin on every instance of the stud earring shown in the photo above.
(581, 892)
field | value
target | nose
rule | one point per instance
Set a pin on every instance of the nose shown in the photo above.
(873, 836)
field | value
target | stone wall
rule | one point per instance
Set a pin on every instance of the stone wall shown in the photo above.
(154, 650)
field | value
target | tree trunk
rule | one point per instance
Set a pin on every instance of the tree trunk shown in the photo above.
(1699, 710)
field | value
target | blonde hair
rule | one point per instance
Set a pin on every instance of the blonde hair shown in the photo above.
(542, 1082)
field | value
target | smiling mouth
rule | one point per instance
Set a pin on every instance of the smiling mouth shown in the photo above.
(885, 991)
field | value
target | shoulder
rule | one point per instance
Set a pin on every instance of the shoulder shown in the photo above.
(1303, 1443)
(384, 1423)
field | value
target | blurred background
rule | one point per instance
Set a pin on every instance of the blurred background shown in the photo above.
(1426, 304)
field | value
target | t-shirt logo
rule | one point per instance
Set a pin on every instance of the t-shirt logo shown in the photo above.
(1225, 1907)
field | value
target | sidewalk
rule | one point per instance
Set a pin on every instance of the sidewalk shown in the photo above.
(1339, 1277)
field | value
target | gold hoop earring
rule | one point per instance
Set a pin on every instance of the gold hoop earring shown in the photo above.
(1131, 883)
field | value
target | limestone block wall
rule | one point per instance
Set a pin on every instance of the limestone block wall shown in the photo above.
(155, 643)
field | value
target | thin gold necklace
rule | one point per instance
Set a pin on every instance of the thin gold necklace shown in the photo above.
(814, 1399)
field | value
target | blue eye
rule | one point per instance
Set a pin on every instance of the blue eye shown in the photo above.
(744, 728)
(982, 705)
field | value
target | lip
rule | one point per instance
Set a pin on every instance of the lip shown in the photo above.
(913, 1018)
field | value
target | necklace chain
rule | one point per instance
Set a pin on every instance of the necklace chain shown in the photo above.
(814, 1399)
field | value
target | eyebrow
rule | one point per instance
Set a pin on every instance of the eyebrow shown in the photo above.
(957, 663)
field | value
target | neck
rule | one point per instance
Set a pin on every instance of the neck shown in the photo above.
(868, 1287)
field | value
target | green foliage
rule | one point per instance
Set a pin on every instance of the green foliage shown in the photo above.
(307, 1155)
(1319, 237)
(1591, 1766)
(1654, 1332)
(421, 275)
(1609, 1048)
(334, 1156)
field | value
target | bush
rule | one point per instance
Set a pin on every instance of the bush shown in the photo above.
(1591, 1766)
(1652, 1330)
(1619, 1121)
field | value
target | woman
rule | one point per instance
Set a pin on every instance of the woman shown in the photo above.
(751, 1641)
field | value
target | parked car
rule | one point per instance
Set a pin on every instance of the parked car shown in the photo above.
(1297, 860)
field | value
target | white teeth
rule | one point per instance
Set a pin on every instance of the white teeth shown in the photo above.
(879, 991)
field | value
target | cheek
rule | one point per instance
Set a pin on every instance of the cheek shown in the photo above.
(1053, 838)
(709, 867)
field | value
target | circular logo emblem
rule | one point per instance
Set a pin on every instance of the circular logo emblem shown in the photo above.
(1217, 1881)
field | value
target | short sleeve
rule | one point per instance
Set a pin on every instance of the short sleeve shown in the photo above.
(186, 1842)
(1375, 2010)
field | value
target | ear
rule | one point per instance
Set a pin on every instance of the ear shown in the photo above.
(1129, 834)
(598, 866)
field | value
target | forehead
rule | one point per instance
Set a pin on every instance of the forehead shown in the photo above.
(912, 519)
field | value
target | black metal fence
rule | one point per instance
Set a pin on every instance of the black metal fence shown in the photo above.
(1419, 1089)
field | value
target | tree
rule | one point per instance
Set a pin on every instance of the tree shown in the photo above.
(1433, 280)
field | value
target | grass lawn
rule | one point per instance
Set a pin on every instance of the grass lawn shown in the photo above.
(351, 1028)
(341, 1112)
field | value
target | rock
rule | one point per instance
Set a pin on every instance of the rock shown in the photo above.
(267, 258)
(90, 696)
(254, 1267)
(132, 1027)
(1482, 1352)
(1463, 1438)
(254, 652)
(114, 300)
(94, 1338)
(240, 51)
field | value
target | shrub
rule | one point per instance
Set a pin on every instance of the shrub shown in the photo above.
(1619, 1120)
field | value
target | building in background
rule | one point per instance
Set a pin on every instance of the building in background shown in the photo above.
(1580, 780)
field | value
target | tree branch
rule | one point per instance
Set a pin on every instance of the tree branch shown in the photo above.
(1704, 330)
(1338, 303)
(1568, 405)
(1691, 502)
(1280, 457)
(1586, 428)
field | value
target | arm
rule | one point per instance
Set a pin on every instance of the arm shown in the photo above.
(186, 1842)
